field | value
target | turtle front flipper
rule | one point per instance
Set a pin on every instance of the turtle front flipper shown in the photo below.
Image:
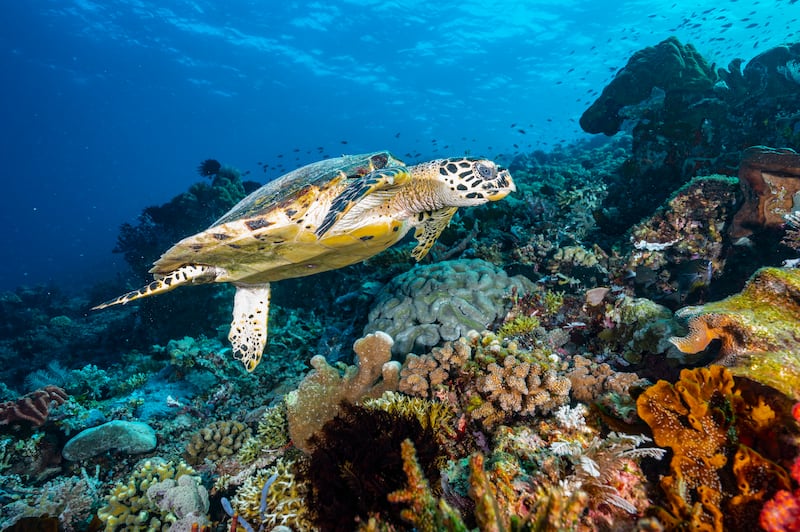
(189, 274)
(368, 184)
(248, 334)
(430, 226)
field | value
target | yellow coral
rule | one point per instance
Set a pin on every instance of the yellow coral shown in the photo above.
(700, 418)
(127, 505)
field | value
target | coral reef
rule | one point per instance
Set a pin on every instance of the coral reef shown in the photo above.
(357, 461)
(216, 441)
(681, 248)
(127, 437)
(690, 124)
(32, 408)
(669, 65)
(320, 396)
(770, 182)
(439, 302)
(130, 504)
(282, 504)
(715, 480)
(756, 329)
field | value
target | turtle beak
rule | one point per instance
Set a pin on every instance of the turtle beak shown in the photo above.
(504, 186)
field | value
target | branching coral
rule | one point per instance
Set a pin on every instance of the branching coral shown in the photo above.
(757, 330)
(324, 389)
(283, 503)
(357, 461)
(128, 505)
(520, 387)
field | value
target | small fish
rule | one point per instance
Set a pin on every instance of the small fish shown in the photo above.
(694, 275)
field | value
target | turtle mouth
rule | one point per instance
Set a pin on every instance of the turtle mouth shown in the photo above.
(500, 194)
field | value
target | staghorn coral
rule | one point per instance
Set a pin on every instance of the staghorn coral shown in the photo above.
(318, 398)
(216, 441)
(756, 329)
(440, 302)
(715, 481)
(33, 408)
(128, 505)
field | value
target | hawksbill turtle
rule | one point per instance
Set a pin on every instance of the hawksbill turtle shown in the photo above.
(320, 217)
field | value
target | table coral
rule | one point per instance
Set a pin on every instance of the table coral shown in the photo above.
(318, 398)
(757, 330)
(440, 302)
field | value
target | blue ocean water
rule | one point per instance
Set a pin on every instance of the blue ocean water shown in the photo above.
(109, 106)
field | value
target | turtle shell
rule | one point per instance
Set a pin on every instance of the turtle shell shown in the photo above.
(269, 235)
(282, 192)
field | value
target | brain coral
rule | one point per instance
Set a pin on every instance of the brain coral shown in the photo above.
(440, 302)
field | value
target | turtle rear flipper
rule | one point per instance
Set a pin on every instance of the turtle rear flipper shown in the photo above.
(248, 334)
(189, 274)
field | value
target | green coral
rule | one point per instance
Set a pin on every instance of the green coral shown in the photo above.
(519, 326)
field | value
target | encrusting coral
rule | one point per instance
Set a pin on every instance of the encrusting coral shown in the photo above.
(318, 398)
(757, 330)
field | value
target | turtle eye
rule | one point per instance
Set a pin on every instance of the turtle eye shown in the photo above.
(485, 171)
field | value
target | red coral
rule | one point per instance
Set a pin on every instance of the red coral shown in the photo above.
(782, 512)
(32, 408)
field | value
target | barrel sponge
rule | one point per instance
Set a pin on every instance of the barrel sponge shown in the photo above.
(441, 302)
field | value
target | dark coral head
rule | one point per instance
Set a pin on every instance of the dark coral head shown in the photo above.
(356, 463)
(209, 168)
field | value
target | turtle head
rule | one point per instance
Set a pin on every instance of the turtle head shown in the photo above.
(471, 181)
